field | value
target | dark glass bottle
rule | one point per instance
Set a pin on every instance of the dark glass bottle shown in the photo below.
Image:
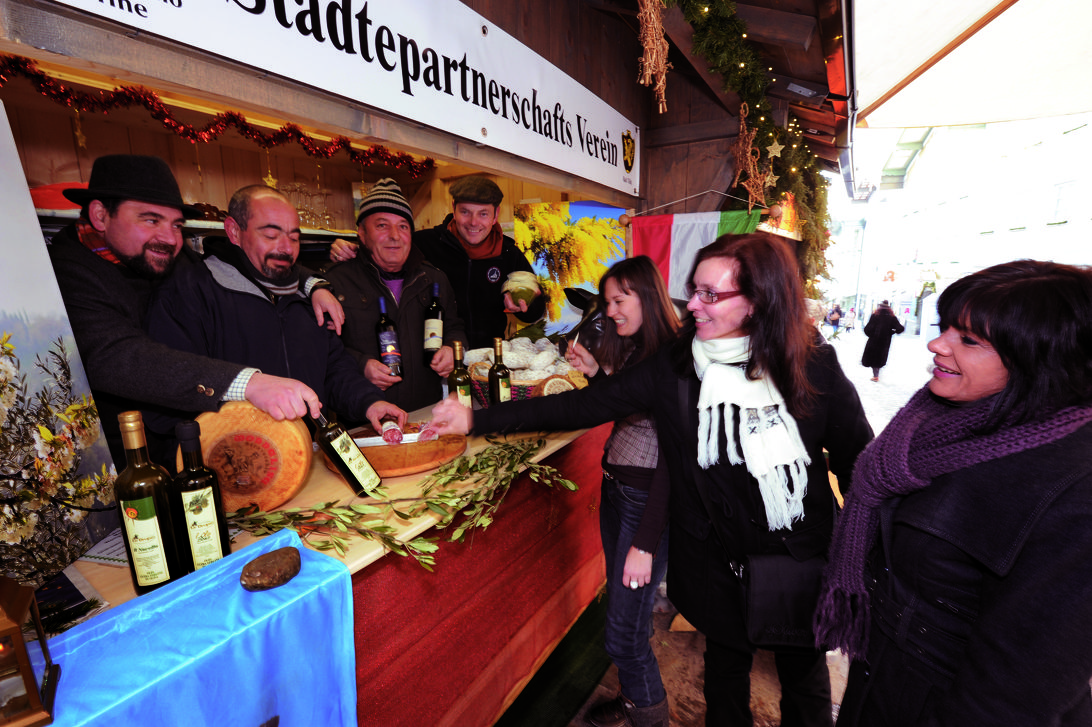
(142, 495)
(459, 381)
(346, 456)
(434, 325)
(500, 378)
(197, 507)
(390, 352)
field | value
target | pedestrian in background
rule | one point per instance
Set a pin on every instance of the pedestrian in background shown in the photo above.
(880, 328)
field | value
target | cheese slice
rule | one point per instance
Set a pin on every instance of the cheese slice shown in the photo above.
(258, 459)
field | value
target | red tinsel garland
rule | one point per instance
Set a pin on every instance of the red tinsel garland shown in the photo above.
(128, 96)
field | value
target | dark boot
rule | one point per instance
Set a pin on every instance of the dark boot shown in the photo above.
(657, 715)
(611, 714)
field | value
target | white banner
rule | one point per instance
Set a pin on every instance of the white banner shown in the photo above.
(435, 62)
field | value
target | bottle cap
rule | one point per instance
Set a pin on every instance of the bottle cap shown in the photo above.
(188, 435)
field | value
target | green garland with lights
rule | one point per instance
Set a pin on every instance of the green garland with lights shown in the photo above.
(719, 39)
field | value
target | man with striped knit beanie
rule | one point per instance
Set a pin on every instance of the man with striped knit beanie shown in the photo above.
(391, 269)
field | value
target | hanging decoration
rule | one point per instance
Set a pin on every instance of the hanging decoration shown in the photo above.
(748, 163)
(129, 96)
(654, 61)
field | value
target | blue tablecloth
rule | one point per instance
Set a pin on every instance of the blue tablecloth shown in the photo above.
(203, 651)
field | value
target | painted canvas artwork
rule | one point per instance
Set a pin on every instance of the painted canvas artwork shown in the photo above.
(56, 474)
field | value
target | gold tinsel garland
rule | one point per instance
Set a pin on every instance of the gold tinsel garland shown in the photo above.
(654, 61)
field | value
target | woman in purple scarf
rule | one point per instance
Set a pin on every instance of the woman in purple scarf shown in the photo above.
(960, 579)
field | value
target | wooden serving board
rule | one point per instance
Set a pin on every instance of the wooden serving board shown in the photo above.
(395, 460)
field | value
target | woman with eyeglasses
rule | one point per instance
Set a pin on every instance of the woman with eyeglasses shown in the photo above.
(745, 403)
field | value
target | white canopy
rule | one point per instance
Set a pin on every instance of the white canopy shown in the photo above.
(959, 62)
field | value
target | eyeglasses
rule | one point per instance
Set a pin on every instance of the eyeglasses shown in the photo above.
(709, 297)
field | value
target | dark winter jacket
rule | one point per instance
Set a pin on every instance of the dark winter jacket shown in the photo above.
(982, 598)
(704, 540)
(216, 309)
(477, 283)
(358, 286)
(881, 326)
(126, 369)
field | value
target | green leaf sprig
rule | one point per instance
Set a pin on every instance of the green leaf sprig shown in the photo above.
(330, 525)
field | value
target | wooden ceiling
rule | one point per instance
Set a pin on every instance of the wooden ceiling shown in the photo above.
(804, 44)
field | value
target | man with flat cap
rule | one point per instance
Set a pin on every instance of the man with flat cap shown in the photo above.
(127, 239)
(391, 269)
(470, 247)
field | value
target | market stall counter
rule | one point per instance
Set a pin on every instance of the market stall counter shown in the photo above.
(454, 646)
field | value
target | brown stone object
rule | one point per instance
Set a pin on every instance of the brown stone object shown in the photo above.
(271, 570)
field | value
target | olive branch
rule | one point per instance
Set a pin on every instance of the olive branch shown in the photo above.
(490, 472)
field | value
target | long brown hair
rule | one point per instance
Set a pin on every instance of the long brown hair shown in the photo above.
(659, 321)
(782, 340)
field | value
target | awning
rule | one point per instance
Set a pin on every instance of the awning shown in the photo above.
(958, 62)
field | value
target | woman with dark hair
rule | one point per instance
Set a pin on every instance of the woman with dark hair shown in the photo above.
(640, 318)
(745, 402)
(881, 326)
(960, 579)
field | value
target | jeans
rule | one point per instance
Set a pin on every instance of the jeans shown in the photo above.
(629, 611)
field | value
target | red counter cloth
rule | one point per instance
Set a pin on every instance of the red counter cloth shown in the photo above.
(454, 647)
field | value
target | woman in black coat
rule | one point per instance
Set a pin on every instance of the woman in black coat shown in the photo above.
(880, 328)
(961, 572)
(745, 403)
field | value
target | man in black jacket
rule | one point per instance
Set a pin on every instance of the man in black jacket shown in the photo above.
(127, 240)
(477, 258)
(244, 303)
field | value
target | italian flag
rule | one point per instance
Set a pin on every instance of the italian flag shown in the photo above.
(672, 241)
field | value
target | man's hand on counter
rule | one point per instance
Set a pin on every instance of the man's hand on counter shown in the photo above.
(451, 417)
(381, 410)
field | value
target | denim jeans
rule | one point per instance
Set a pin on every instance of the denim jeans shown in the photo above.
(629, 611)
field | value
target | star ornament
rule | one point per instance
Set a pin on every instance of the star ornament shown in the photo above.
(774, 149)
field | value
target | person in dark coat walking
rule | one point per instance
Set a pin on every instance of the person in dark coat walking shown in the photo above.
(960, 577)
(880, 328)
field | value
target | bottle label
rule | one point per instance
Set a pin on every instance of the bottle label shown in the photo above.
(145, 541)
(464, 395)
(345, 448)
(434, 334)
(504, 389)
(389, 353)
(201, 526)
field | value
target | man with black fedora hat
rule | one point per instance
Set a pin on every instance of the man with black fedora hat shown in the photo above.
(477, 257)
(128, 238)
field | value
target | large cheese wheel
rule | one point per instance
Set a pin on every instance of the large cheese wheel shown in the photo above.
(258, 459)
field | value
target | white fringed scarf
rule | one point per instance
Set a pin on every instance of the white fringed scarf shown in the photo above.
(768, 441)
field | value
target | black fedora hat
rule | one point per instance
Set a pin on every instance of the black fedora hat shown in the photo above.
(129, 176)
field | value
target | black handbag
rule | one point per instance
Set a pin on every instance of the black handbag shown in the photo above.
(781, 594)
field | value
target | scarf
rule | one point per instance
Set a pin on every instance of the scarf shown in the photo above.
(93, 240)
(768, 441)
(489, 247)
(926, 439)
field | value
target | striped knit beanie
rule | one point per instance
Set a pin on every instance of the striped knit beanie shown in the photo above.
(384, 196)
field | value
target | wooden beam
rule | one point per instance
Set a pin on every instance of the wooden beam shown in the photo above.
(777, 27)
(797, 90)
(682, 35)
(691, 133)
